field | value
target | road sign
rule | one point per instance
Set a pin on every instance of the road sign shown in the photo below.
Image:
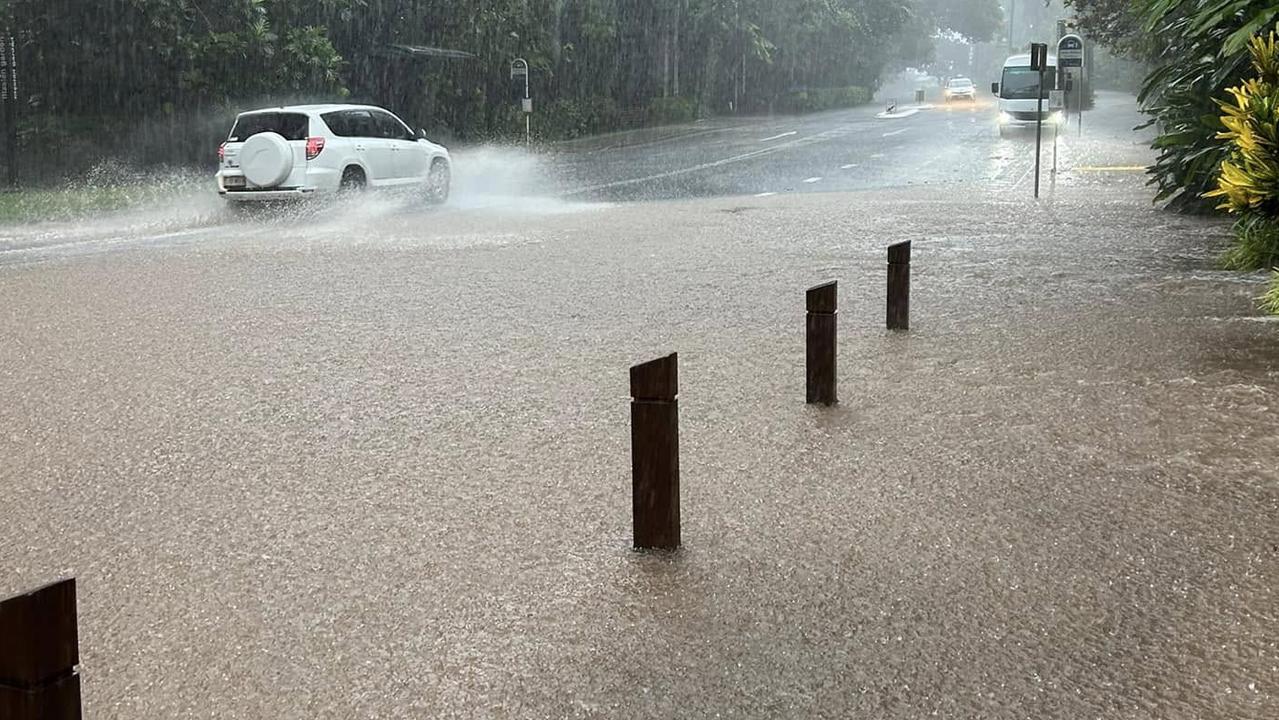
(1039, 56)
(1070, 51)
(1056, 99)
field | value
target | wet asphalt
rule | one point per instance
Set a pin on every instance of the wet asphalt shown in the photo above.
(375, 463)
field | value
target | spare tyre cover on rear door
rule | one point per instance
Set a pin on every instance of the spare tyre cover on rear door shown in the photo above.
(266, 159)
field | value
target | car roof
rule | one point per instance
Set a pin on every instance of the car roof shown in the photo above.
(313, 109)
(961, 79)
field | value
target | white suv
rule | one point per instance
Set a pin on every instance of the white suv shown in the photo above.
(299, 151)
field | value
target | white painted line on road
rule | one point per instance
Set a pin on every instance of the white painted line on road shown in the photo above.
(779, 137)
(849, 166)
(878, 155)
(812, 180)
(767, 194)
(685, 171)
(896, 132)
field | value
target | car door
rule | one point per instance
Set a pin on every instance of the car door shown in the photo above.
(410, 160)
(375, 151)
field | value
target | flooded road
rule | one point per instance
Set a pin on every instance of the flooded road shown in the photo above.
(378, 465)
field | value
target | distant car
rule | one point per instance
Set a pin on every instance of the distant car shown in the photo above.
(300, 151)
(961, 88)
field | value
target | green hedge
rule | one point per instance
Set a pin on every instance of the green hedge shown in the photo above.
(574, 118)
(672, 111)
(817, 99)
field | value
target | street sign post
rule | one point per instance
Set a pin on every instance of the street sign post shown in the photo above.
(1039, 62)
(1070, 51)
(520, 70)
(1070, 59)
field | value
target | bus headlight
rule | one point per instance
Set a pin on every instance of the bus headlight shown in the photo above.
(1057, 118)
(1005, 118)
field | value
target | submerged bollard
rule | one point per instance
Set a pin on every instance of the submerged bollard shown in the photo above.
(899, 286)
(822, 333)
(655, 453)
(39, 651)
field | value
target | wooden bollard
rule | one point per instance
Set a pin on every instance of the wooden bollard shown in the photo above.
(39, 651)
(899, 286)
(655, 453)
(822, 302)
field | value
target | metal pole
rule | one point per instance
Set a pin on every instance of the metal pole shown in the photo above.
(1012, 23)
(1039, 130)
(1056, 132)
(528, 117)
(10, 83)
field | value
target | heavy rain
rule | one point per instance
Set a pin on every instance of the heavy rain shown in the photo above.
(422, 359)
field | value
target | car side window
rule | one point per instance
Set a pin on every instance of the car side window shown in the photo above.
(361, 124)
(391, 128)
(339, 123)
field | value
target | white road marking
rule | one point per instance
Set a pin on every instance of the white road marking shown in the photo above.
(896, 132)
(770, 150)
(878, 155)
(850, 166)
(779, 137)
(812, 180)
(765, 194)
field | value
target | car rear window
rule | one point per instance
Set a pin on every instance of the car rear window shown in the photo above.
(293, 126)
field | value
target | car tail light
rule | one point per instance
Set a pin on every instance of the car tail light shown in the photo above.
(222, 152)
(314, 146)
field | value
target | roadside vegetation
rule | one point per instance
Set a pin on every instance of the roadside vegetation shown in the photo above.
(597, 65)
(1213, 94)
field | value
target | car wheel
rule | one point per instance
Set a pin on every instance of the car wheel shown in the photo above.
(438, 183)
(353, 180)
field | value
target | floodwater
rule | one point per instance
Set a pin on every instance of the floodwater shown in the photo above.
(380, 468)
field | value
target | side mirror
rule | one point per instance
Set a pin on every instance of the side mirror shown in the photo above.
(421, 134)
(994, 88)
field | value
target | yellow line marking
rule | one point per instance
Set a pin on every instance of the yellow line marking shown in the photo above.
(1112, 168)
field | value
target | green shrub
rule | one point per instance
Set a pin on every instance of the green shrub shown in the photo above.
(1270, 301)
(672, 111)
(818, 99)
(1256, 244)
(576, 117)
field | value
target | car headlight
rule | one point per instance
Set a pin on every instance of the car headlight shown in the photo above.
(1005, 118)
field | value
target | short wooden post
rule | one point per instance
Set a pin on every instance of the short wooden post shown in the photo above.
(655, 453)
(39, 651)
(899, 286)
(822, 303)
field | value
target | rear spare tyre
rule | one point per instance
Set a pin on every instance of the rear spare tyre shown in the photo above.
(266, 159)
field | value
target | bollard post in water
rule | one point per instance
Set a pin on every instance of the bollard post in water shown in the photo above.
(655, 453)
(39, 651)
(899, 286)
(820, 366)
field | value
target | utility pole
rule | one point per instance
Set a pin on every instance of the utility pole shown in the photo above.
(1012, 23)
(9, 96)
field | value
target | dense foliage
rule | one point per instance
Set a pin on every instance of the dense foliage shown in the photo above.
(1248, 184)
(139, 67)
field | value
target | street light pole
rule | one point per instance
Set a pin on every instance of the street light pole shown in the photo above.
(1012, 23)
